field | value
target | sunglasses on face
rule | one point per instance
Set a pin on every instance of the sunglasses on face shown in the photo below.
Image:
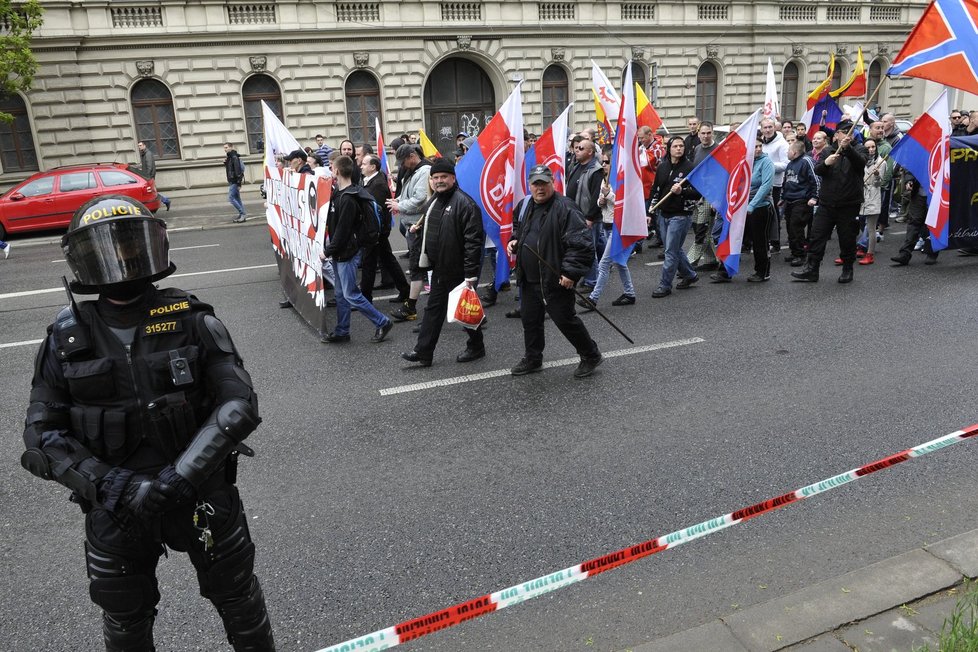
(605, 162)
(581, 149)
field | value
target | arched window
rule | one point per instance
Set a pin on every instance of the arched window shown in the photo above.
(554, 93)
(255, 89)
(873, 80)
(638, 76)
(838, 75)
(706, 92)
(156, 124)
(789, 91)
(17, 153)
(362, 107)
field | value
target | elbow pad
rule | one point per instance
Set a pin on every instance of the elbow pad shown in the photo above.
(225, 428)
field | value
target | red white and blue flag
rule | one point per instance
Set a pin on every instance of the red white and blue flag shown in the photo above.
(550, 150)
(813, 116)
(491, 173)
(382, 155)
(924, 151)
(625, 179)
(943, 46)
(723, 178)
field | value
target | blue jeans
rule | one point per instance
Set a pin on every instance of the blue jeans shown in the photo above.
(234, 196)
(598, 237)
(604, 270)
(348, 294)
(675, 228)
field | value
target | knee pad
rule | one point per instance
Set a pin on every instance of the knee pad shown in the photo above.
(230, 575)
(125, 598)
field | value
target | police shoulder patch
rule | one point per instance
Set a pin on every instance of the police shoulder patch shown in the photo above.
(170, 308)
(163, 327)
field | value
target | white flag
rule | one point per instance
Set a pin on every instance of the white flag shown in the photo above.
(278, 140)
(772, 108)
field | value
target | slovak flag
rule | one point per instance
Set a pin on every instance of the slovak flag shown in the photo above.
(813, 116)
(626, 180)
(382, 155)
(550, 150)
(723, 178)
(607, 103)
(491, 173)
(924, 151)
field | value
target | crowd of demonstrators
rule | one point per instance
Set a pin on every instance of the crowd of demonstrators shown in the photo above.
(676, 201)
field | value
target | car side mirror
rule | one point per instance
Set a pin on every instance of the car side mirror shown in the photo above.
(16, 196)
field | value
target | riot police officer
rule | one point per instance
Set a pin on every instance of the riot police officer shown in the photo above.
(139, 405)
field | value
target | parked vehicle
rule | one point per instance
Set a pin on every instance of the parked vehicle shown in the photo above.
(47, 200)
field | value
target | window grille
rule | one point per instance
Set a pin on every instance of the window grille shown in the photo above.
(843, 13)
(358, 12)
(461, 11)
(251, 14)
(712, 12)
(884, 14)
(557, 10)
(638, 11)
(130, 17)
(797, 13)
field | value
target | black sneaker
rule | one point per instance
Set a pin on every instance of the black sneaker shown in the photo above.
(514, 314)
(757, 278)
(624, 300)
(404, 313)
(469, 355)
(381, 333)
(685, 283)
(487, 300)
(525, 366)
(587, 366)
(719, 277)
(333, 338)
(586, 305)
(412, 356)
(901, 260)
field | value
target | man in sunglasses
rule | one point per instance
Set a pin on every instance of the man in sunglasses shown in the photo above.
(584, 188)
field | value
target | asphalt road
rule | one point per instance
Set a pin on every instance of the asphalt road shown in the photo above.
(368, 510)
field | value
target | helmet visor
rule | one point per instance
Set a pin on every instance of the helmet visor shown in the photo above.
(117, 251)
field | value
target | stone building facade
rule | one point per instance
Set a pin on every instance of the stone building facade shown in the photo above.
(187, 74)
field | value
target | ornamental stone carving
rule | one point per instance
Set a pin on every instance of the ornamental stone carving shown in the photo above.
(841, 48)
(883, 48)
(712, 52)
(464, 42)
(258, 63)
(797, 49)
(638, 53)
(145, 68)
(361, 58)
(557, 54)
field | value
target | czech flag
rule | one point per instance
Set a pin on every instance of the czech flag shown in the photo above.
(630, 224)
(723, 178)
(645, 113)
(550, 150)
(382, 155)
(428, 147)
(491, 173)
(856, 86)
(607, 103)
(824, 87)
(924, 151)
(942, 46)
(813, 116)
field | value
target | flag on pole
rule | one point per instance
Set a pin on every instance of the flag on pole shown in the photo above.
(813, 116)
(278, 140)
(943, 46)
(550, 150)
(427, 147)
(626, 180)
(645, 113)
(491, 173)
(607, 103)
(723, 178)
(825, 86)
(772, 107)
(856, 86)
(924, 151)
(382, 155)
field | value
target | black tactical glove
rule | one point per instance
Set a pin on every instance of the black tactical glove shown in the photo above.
(166, 491)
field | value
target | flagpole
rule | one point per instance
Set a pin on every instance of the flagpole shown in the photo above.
(866, 106)
(652, 209)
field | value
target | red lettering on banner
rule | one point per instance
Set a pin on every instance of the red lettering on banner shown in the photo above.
(765, 506)
(622, 557)
(418, 627)
(883, 463)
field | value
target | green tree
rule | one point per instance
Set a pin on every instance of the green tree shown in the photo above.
(18, 22)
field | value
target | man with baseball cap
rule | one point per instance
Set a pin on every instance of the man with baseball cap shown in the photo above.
(414, 171)
(553, 251)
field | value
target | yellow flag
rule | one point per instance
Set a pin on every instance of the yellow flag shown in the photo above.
(428, 147)
(822, 88)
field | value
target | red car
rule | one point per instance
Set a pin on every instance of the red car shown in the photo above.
(47, 200)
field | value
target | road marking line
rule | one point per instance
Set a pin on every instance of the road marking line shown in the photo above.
(566, 362)
(24, 343)
(194, 247)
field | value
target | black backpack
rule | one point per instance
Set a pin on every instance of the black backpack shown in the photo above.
(368, 230)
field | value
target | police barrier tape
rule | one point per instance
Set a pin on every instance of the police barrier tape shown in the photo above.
(417, 627)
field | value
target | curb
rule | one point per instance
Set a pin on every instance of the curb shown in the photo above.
(825, 607)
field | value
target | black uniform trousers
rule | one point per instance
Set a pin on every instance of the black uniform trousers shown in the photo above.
(756, 231)
(435, 313)
(122, 552)
(798, 220)
(381, 254)
(560, 306)
(844, 220)
(917, 227)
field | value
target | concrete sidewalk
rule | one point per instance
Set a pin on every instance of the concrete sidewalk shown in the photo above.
(896, 604)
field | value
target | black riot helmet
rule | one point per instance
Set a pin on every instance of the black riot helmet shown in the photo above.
(112, 240)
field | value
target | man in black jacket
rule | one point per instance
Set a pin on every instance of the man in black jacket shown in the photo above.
(452, 238)
(375, 182)
(343, 225)
(553, 251)
(234, 169)
(839, 199)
